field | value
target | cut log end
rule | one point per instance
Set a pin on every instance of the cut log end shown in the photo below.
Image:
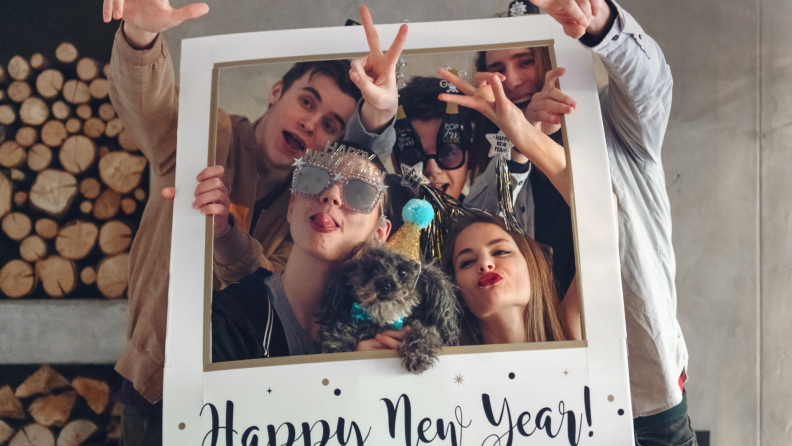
(77, 153)
(18, 91)
(18, 68)
(107, 205)
(86, 207)
(53, 191)
(66, 52)
(88, 275)
(95, 392)
(8, 115)
(21, 197)
(17, 280)
(16, 225)
(10, 407)
(45, 380)
(57, 275)
(6, 191)
(75, 433)
(61, 110)
(111, 275)
(98, 88)
(53, 410)
(114, 127)
(53, 134)
(76, 239)
(87, 69)
(107, 111)
(33, 248)
(34, 111)
(46, 228)
(121, 171)
(49, 83)
(73, 125)
(128, 205)
(33, 435)
(94, 128)
(76, 92)
(12, 154)
(83, 111)
(90, 188)
(115, 237)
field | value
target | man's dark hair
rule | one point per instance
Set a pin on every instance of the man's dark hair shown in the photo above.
(419, 100)
(337, 70)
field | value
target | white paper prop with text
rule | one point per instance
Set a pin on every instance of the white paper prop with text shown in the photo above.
(564, 393)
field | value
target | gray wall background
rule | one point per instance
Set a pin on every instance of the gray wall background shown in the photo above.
(726, 159)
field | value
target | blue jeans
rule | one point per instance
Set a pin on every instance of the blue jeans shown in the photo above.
(668, 428)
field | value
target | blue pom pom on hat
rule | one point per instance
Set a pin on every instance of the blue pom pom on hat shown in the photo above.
(417, 215)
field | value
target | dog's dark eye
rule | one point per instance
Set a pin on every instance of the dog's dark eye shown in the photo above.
(402, 273)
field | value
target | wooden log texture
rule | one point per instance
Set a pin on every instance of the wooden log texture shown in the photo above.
(49, 83)
(18, 91)
(26, 136)
(17, 174)
(87, 69)
(98, 88)
(114, 237)
(107, 112)
(106, 71)
(53, 191)
(16, 280)
(39, 156)
(47, 228)
(76, 239)
(3, 95)
(66, 52)
(57, 276)
(3, 74)
(6, 191)
(86, 207)
(126, 142)
(90, 188)
(139, 194)
(95, 392)
(111, 275)
(94, 128)
(104, 150)
(77, 153)
(61, 110)
(33, 248)
(17, 225)
(6, 432)
(106, 206)
(8, 114)
(12, 154)
(20, 197)
(18, 68)
(43, 381)
(53, 133)
(33, 435)
(53, 410)
(76, 432)
(88, 275)
(128, 205)
(114, 127)
(10, 407)
(34, 111)
(76, 92)
(38, 62)
(73, 125)
(121, 171)
(83, 111)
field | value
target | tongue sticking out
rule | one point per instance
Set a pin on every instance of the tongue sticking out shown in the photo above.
(324, 220)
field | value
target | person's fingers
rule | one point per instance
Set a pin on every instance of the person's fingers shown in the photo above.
(483, 77)
(558, 96)
(497, 90)
(360, 79)
(548, 118)
(215, 171)
(370, 345)
(214, 209)
(189, 12)
(396, 47)
(574, 30)
(168, 192)
(552, 76)
(541, 3)
(118, 9)
(209, 185)
(465, 101)
(212, 196)
(573, 9)
(107, 10)
(398, 334)
(371, 32)
(551, 106)
(388, 341)
(595, 7)
(461, 84)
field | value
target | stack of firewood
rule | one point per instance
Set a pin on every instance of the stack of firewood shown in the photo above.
(48, 409)
(72, 182)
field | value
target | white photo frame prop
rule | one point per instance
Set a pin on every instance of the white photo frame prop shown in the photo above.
(543, 393)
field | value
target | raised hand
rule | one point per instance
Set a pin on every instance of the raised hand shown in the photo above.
(577, 16)
(547, 106)
(144, 19)
(375, 75)
(211, 198)
(489, 99)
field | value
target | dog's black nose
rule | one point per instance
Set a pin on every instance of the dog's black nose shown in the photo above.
(384, 285)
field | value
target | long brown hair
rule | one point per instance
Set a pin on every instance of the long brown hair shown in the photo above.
(542, 320)
(479, 148)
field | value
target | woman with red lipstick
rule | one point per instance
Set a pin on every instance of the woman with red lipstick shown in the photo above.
(506, 284)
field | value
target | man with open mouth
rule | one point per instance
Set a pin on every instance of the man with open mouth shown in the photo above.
(248, 188)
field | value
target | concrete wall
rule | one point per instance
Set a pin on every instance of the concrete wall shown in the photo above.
(726, 161)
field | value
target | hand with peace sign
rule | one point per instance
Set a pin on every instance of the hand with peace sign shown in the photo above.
(577, 16)
(375, 75)
(144, 19)
(547, 106)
